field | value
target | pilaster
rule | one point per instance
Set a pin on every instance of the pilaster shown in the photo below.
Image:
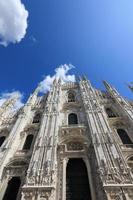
(12, 142)
(42, 171)
(112, 168)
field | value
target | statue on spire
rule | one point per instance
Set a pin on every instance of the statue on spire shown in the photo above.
(131, 86)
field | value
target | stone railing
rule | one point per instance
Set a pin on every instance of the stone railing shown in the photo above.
(75, 130)
(69, 85)
(73, 126)
(23, 153)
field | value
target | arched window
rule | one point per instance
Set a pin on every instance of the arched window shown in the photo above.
(2, 139)
(28, 142)
(71, 97)
(110, 113)
(72, 119)
(36, 118)
(124, 136)
(130, 162)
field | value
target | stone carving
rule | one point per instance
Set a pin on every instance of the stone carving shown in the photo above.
(74, 146)
(57, 142)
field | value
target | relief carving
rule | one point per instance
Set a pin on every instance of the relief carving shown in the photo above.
(74, 146)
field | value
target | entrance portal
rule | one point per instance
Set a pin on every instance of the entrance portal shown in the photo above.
(77, 184)
(12, 189)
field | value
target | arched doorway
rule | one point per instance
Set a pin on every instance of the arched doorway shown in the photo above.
(12, 189)
(77, 183)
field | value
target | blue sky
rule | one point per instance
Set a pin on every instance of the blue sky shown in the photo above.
(96, 36)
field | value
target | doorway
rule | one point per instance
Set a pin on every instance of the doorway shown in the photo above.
(77, 183)
(12, 189)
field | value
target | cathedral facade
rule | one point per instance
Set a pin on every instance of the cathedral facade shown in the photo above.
(73, 143)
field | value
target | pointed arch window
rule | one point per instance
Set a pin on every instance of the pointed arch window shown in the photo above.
(37, 118)
(110, 113)
(2, 139)
(124, 136)
(72, 119)
(28, 142)
(71, 97)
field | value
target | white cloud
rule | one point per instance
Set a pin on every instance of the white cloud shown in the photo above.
(45, 85)
(9, 95)
(60, 72)
(13, 21)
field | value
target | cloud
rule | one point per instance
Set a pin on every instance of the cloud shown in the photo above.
(9, 95)
(60, 72)
(13, 21)
(45, 85)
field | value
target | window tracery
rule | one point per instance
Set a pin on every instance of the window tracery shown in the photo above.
(110, 113)
(36, 118)
(71, 96)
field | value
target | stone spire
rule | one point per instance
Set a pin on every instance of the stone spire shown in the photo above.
(108, 86)
(8, 105)
(33, 96)
(108, 154)
(42, 167)
(121, 102)
(21, 122)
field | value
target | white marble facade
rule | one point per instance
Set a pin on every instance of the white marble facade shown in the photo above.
(72, 121)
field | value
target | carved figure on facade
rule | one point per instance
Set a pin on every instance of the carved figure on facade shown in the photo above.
(92, 140)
